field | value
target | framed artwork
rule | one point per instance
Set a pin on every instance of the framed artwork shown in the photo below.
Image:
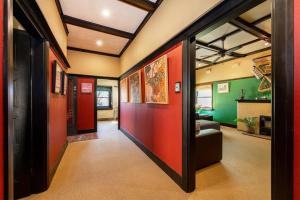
(223, 87)
(124, 90)
(135, 90)
(56, 77)
(86, 88)
(156, 81)
(64, 83)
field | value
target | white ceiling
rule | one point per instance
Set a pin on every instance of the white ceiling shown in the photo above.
(122, 16)
(238, 38)
(86, 39)
(118, 15)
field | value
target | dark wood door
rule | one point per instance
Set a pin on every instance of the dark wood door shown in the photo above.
(22, 113)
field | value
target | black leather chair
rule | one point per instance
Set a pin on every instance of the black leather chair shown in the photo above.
(209, 144)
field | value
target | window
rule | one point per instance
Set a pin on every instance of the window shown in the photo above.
(204, 96)
(104, 97)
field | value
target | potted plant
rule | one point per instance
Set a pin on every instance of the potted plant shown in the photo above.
(250, 122)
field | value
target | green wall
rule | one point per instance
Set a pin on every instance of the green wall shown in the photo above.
(224, 104)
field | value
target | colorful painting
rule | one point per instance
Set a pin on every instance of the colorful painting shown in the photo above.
(156, 81)
(124, 90)
(135, 91)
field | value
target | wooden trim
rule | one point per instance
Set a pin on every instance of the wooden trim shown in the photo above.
(283, 96)
(96, 77)
(96, 27)
(220, 14)
(231, 59)
(8, 99)
(92, 52)
(141, 4)
(38, 25)
(146, 19)
(60, 156)
(188, 119)
(87, 131)
(61, 13)
(106, 119)
(169, 171)
(253, 100)
(249, 28)
(228, 125)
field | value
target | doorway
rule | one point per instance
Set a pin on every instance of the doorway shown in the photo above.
(281, 180)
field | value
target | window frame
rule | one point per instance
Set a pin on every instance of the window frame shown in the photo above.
(110, 90)
(212, 97)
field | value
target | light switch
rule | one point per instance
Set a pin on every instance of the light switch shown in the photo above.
(177, 87)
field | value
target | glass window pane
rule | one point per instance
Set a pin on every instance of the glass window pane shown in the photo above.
(104, 102)
(104, 94)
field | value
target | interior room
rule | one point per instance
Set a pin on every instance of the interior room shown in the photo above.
(149, 99)
(233, 104)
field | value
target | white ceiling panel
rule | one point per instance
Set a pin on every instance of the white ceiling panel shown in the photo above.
(235, 40)
(218, 32)
(200, 53)
(119, 15)
(266, 26)
(212, 59)
(253, 47)
(258, 12)
(86, 39)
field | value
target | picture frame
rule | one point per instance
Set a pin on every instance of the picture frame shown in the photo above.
(135, 88)
(223, 87)
(56, 77)
(64, 85)
(124, 90)
(157, 81)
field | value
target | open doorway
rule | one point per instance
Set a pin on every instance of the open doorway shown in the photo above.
(236, 94)
(233, 104)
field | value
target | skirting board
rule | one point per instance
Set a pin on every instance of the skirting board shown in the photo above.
(228, 125)
(170, 172)
(61, 153)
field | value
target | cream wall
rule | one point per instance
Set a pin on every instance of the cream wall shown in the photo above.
(238, 68)
(93, 64)
(171, 17)
(109, 114)
(50, 12)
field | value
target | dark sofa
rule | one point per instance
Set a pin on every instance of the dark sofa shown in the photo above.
(209, 143)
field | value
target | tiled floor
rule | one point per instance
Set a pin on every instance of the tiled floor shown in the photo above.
(113, 168)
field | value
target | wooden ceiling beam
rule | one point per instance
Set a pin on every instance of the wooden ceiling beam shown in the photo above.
(96, 27)
(92, 52)
(253, 30)
(230, 59)
(141, 4)
(258, 21)
(60, 11)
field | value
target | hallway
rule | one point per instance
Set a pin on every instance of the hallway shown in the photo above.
(111, 168)
(87, 167)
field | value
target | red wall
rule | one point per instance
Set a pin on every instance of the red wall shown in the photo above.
(57, 119)
(85, 106)
(159, 127)
(297, 102)
(1, 102)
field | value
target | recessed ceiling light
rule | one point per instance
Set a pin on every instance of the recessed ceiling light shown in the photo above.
(105, 13)
(267, 43)
(99, 43)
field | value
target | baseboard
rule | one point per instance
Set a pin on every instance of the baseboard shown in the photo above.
(107, 119)
(87, 131)
(170, 172)
(228, 125)
(60, 155)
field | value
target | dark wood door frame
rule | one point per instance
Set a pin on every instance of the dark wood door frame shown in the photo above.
(282, 104)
